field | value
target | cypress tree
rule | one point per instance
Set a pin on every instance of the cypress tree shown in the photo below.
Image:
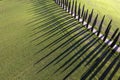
(86, 14)
(107, 30)
(88, 22)
(82, 10)
(100, 27)
(72, 8)
(91, 15)
(63, 4)
(67, 3)
(75, 9)
(114, 34)
(115, 40)
(59, 2)
(84, 17)
(69, 6)
(106, 33)
(79, 10)
(89, 18)
(94, 23)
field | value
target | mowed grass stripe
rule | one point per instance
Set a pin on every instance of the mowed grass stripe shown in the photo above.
(19, 50)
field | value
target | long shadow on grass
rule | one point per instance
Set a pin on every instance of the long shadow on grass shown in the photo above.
(79, 54)
(68, 50)
(117, 67)
(74, 46)
(54, 31)
(46, 14)
(75, 28)
(76, 67)
(82, 61)
(53, 19)
(106, 72)
(97, 57)
(43, 4)
(98, 64)
(49, 8)
(63, 44)
(102, 65)
(53, 25)
(107, 54)
(60, 31)
(47, 17)
(96, 51)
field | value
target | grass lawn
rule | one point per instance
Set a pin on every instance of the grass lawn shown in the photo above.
(110, 8)
(38, 35)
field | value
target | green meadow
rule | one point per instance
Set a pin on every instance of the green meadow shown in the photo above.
(110, 8)
(40, 41)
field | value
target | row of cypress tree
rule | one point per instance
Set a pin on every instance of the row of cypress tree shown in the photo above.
(79, 12)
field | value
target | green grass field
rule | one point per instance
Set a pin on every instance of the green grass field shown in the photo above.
(109, 8)
(28, 26)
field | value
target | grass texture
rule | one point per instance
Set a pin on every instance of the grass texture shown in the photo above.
(40, 41)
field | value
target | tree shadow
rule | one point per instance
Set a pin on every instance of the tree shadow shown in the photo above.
(98, 64)
(68, 41)
(55, 29)
(114, 71)
(80, 53)
(63, 37)
(106, 72)
(67, 51)
(73, 47)
(81, 40)
(45, 18)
